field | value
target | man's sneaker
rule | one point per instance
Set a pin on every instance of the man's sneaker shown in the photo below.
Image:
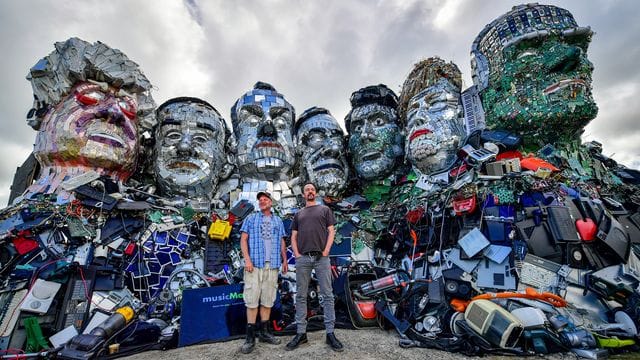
(335, 344)
(296, 341)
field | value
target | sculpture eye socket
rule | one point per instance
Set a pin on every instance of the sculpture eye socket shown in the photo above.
(200, 139)
(527, 53)
(379, 121)
(90, 97)
(280, 123)
(173, 136)
(128, 107)
(253, 121)
(356, 126)
(315, 140)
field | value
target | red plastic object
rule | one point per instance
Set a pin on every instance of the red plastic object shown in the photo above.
(130, 249)
(413, 216)
(458, 171)
(587, 229)
(534, 163)
(367, 309)
(464, 206)
(23, 242)
(510, 154)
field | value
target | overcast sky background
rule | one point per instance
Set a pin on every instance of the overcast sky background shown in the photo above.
(314, 52)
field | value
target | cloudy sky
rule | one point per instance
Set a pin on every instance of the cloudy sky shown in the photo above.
(314, 52)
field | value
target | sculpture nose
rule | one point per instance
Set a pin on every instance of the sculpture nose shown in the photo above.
(331, 148)
(267, 130)
(184, 147)
(112, 113)
(367, 132)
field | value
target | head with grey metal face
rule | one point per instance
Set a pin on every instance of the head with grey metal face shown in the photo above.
(263, 124)
(321, 145)
(375, 141)
(90, 103)
(432, 113)
(190, 152)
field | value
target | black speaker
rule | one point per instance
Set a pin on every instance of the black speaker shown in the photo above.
(454, 286)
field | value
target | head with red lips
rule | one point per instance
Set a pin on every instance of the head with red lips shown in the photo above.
(431, 111)
(90, 103)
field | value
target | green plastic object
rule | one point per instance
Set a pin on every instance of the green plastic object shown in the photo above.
(187, 213)
(35, 340)
(155, 217)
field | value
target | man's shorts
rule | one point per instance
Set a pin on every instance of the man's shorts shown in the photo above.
(260, 287)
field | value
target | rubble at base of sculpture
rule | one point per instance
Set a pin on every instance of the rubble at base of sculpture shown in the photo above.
(512, 238)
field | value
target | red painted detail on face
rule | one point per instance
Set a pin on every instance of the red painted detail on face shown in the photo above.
(419, 132)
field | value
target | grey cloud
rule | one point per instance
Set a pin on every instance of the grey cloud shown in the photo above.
(314, 52)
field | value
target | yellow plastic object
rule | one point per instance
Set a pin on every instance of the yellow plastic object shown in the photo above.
(613, 342)
(127, 312)
(220, 230)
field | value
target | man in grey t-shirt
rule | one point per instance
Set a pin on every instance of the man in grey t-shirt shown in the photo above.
(311, 239)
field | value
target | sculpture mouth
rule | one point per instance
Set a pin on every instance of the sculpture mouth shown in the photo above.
(329, 165)
(419, 132)
(183, 165)
(269, 145)
(371, 156)
(107, 138)
(573, 83)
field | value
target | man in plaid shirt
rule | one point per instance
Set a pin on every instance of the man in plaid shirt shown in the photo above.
(264, 251)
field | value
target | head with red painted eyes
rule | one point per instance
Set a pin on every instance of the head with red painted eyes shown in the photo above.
(86, 123)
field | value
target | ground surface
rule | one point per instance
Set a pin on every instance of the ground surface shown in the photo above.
(359, 344)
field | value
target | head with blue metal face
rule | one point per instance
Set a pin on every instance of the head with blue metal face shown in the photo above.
(432, 112)
(375, 141)
(320, 144)
(533, 74)
(263, 124)
(190, 152)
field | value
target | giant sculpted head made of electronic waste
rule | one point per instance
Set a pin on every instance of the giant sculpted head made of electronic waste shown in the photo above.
(190, 154)
(532, 71)
(320, 143)
(431, 110)
(263, 125)
(375, 141)
(90, 103)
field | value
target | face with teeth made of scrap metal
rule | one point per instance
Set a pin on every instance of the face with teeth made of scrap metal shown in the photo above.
(263, 123)
(538, 77)
(434, 127)
(190, 147)
(94, 127)
(320, 143)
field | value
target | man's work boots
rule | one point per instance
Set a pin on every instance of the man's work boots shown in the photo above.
(250, 341)
(266, 336)
(335, 344)
(296, 341)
